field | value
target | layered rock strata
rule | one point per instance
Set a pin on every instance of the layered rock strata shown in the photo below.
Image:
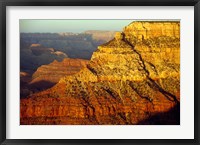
(48, 75)
(56, 70)
(133, 79)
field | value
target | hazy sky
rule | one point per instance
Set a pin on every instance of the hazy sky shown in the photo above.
(76, 26)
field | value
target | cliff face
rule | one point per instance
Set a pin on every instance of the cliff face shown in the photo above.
(48, 75)
(133, 79)
(158, 44)
(56, 70)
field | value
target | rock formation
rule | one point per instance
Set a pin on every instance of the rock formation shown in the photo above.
(48, 75)
(132, 79)
(36, 55)
(56, 70)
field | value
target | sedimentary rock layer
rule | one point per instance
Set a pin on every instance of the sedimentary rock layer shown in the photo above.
(56, 70)
(48, 75)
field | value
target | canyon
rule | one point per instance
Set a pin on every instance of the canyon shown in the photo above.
(38, 49)
(48, 75)
(44, 57)
(134, 79)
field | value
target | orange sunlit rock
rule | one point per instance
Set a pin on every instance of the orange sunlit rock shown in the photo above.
(132, 79)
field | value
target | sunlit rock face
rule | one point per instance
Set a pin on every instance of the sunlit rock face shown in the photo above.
(158, 44)
(132, 79)
(56, 70)
(144, 30)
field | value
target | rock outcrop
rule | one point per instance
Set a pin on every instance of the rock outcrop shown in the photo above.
(56, 70)
(48, 75)
(132, 79)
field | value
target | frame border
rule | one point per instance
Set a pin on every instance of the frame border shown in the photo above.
(5, 3)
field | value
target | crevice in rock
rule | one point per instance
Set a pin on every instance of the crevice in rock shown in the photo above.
(153, 66)
(145, 30)
(123, 117)
(168, 95)
(140, 57)
(111, 93)
(92, 70)
(139, 94)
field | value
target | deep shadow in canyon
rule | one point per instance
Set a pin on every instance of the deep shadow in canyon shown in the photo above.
(171, 117)
(28, 89)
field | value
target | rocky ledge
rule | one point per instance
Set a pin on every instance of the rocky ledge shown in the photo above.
(56, 70)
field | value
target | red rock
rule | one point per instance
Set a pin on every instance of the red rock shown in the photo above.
(123, 83)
